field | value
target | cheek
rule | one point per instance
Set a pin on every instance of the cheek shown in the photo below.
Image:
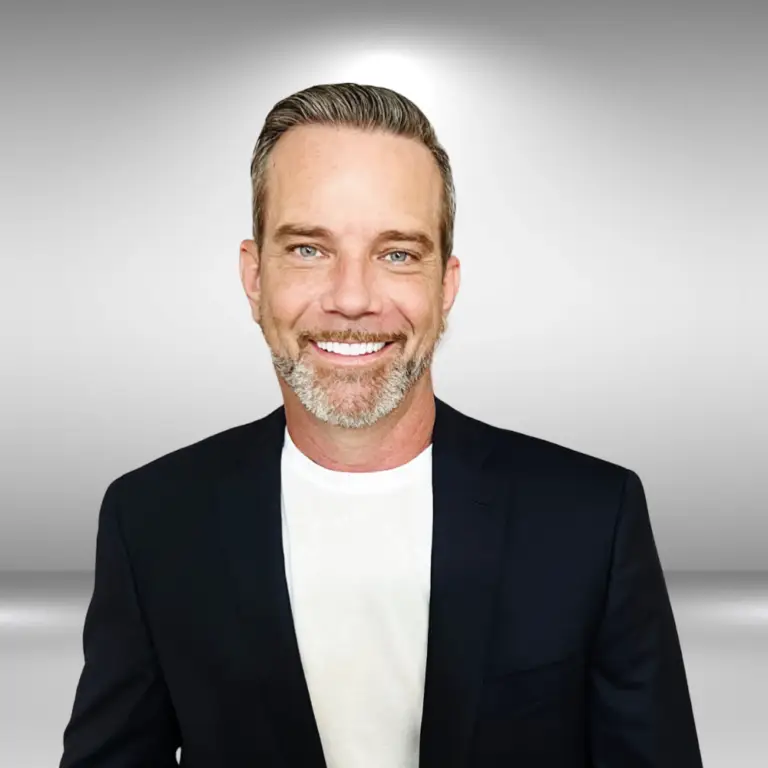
(420, 310)
(287, 303)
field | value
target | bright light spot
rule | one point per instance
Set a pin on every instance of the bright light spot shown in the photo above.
(742, 611)
(40, 616)
(727, 611)
(395, 67)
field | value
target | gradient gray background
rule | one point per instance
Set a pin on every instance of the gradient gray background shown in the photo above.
(610, 162)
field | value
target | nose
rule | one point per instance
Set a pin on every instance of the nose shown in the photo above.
(352, 288)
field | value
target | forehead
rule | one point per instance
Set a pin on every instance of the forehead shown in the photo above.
(347, 179)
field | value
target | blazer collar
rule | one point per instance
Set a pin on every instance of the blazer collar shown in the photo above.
(470, 496)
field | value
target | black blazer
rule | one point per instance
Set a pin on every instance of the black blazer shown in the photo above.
(552, 643)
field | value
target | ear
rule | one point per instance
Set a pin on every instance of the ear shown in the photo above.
(451, 282)
(250, 275)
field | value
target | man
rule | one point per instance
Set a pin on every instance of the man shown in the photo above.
(366, 577)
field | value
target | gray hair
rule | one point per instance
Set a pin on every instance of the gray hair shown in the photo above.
(368, 107)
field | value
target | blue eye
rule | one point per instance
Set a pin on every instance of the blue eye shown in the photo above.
(311, 247)
(404, 253)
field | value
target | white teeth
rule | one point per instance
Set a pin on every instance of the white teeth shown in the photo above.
(349, 349)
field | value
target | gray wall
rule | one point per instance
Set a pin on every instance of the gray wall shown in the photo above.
(610, 162)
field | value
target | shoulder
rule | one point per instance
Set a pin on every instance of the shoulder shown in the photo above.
(564, 502)
(191, 469)
(545, 468)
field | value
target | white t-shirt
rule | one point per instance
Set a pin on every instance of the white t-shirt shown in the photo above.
(357, 558)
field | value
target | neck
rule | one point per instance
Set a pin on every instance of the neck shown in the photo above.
(391, 442)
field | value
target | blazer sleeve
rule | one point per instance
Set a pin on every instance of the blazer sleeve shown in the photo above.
(639, 708)
(122, 715)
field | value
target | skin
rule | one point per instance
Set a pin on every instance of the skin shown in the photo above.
(352, 285)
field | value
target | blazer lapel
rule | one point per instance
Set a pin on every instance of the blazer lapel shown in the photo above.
(467, 542)
(468, 529)
(250, 527)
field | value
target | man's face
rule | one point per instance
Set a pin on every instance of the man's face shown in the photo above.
(357, 280)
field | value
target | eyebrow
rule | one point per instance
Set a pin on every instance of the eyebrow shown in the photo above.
(285, 231)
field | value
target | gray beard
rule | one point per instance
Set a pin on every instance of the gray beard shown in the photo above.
(385, 391)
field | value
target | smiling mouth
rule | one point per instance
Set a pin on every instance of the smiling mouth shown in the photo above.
(350, 352)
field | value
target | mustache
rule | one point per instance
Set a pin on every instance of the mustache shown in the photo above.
(350, 337)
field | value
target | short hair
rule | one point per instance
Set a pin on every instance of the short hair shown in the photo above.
(367, 107)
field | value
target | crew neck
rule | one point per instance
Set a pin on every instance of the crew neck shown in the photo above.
(355, 482)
